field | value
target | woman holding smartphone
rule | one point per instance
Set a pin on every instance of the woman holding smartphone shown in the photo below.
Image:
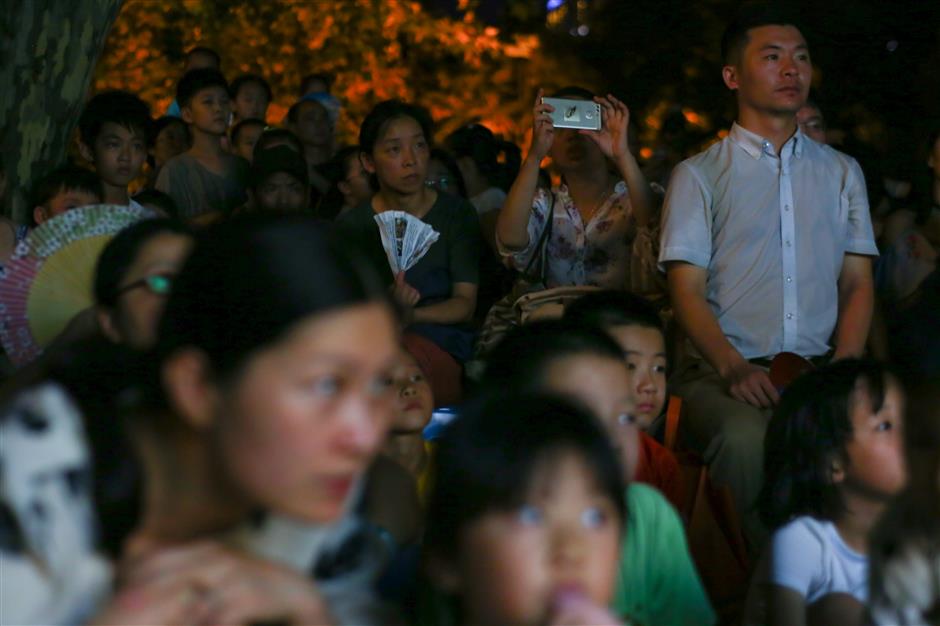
(596, 212)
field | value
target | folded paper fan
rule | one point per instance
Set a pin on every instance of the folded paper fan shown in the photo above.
(48, 280)
(406, 239)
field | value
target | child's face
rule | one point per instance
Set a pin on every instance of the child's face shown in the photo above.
(415, 402)
(875, 452)
(513, 566)
(209, 110)
(63, 201)
(118, 154)
(603, 385)
(645, 352)
(251, 102)
(171, 141)
(313, 125)
(247, 138)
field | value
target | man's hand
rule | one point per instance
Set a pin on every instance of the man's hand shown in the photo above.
(750, 383)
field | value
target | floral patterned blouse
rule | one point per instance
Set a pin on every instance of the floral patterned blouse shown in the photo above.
(597, 253)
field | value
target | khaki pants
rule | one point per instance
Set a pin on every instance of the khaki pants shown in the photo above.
(728, 434)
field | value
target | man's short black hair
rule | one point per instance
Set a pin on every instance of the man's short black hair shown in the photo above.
(64, 178)
(209, 52)
(195, 81)
(246, 79)
(118, 107)
(753, 15)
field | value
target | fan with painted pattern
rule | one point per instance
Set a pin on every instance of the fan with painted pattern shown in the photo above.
(48, 280)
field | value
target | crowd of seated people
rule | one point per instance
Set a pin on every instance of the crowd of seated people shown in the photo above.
(713, 405)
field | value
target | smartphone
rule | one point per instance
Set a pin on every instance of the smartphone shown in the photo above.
(584, 114)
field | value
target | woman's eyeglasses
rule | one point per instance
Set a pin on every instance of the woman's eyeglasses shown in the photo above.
(157, 284)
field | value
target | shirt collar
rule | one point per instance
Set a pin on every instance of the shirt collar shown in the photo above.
(756, 146)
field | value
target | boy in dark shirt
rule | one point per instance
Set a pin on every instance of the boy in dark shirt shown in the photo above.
(113, 132)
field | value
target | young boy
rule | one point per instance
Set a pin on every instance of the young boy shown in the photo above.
(197, 58)
(113, 131)
(64, 188)
(206, 178)
(245, 135)
(251, 95)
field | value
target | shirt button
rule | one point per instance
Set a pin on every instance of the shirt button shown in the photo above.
(786, 207)
(789, 279)
(789, 316)
(788, 243)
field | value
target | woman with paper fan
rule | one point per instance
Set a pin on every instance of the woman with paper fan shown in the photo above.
(425, 243)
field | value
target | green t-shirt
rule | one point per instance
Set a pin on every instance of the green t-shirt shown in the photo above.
(657, 583)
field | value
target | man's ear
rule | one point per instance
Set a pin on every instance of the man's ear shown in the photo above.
(105, 319)
(730, 75)
(367, 162)
(186, 114)
(443, 574)
(85, 150)
(190, 390)
(40, 214)
(343, 187)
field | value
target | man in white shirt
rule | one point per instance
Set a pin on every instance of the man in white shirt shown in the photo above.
(767, 244)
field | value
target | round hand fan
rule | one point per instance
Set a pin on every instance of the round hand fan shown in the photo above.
(49, 277)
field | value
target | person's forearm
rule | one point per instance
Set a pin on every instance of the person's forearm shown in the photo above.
(856, 302)
(641, 196)
(512, 225)
(698, 321)
(456, 310)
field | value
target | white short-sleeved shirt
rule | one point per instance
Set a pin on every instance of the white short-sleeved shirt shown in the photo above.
(772, 231)
(809, 557)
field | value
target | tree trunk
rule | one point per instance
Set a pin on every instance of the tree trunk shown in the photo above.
(48, 53)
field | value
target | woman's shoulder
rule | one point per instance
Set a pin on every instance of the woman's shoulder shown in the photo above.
(804, 531)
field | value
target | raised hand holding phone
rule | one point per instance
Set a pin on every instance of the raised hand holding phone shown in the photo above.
(543, 130)
(612, 137)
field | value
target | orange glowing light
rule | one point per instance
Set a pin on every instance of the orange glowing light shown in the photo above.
(646, 153)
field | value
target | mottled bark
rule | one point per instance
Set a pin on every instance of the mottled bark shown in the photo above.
(48, 53)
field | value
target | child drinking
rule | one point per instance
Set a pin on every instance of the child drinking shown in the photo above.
(832, 461)
(658, 583)
(525, 518)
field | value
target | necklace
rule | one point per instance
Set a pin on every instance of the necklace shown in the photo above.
(588, 212)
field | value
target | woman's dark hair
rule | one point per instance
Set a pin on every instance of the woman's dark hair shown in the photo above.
(248, 281)
(486, 460)
(460, 187)
(277, 136)
(122, 251)
(496, 159)
(604, 309)
(809, 428)
(521, 359)
(375, 123)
